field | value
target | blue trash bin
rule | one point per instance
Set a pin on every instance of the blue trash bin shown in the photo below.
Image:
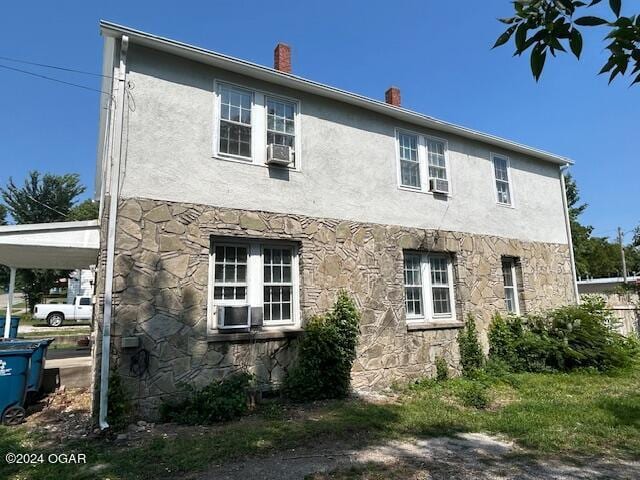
(36, 371)
(15, 360)
(13, 329)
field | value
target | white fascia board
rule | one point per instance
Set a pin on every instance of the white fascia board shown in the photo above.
(298, 83)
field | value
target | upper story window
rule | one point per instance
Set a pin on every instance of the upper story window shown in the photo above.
(421, 156)
(501, 173)
(235, 121)
(510, 285)
(248, 121)
(437, 165)
(428, 286)
(409, 162)
(262, 276)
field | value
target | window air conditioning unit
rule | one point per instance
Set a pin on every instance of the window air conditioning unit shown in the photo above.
(279, 155)
(234, 317)
(437, 185)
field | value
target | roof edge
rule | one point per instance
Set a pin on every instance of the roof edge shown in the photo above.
(34, 227)
(299, 83)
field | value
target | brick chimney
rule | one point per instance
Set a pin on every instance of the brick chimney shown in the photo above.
(282, 58)
(392, 96)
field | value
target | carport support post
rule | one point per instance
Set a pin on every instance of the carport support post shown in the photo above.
(12, 286)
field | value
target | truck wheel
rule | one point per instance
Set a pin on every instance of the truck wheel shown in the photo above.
(13, 416)
(55, 319)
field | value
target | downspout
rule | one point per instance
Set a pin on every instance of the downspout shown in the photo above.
(567, 222)
(114, 192)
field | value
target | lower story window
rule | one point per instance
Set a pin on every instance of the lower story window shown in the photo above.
(510, 285)
(428, 286)
(257, 275)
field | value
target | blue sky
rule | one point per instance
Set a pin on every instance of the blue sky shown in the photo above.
(437, 52)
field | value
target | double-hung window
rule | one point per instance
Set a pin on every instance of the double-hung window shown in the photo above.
(501, 173)
(281, 123)
(248, 121)
(421, 157)
(409, 161)
(437, 164)
(235, 121)
(278, 284)
(261, 275)
(510, 285)
(428, 287)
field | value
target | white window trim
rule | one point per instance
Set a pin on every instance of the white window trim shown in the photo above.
(258, 127)
(510, 180)
(427, 297)
(514, 280)
(255, 293)
(423, 160)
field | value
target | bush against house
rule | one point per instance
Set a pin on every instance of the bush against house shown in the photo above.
(563, 339)
(326, 354)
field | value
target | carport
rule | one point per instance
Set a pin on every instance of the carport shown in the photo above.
(57, 245)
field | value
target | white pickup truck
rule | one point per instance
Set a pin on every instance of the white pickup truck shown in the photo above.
(55, 313)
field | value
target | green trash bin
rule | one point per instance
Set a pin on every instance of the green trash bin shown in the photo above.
(15, 361)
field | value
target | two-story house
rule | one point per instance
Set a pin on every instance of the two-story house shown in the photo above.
(237, 200)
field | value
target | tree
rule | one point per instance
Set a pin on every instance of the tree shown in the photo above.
(87, 210)
(553, 25)
(42, 198)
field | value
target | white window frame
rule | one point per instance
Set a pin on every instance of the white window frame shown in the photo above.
(258, 127)
(255, 284)
(427, 293)
(514, 287)
(423, 160)
(496, 180)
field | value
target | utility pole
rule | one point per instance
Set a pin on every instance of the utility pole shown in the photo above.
(624, 262)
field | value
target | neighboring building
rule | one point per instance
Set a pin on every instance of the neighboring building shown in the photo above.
(624, 302)
(421, 221)
(80, 284)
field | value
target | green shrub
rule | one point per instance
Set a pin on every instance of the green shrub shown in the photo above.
(567, 338)
(326, 354)
(442, 369)
(472, 394)
(471, 356)
(220, 401)
(119, 403)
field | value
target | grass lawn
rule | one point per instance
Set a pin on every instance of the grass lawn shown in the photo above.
(579, 414)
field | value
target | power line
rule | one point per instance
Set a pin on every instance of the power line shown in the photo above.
(56, 67)
(46, 206)
(45, 77)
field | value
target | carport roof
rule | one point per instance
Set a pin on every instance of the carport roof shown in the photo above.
(57, 245)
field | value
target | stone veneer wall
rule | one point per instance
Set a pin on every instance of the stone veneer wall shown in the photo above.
(160, 292)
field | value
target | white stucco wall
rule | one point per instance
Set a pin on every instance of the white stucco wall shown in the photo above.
(348, 162)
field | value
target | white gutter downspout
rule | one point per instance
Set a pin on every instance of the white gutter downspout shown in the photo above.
(7, 318)
(567, 222)
(114, 192)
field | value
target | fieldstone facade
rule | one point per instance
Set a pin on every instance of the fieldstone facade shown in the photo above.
(162, 271)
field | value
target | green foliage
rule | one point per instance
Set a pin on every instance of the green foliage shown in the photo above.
(119, 404)
(87, 210)
(326, 354)
(442, 369)
(567, 338)
(552, 26)
(42, 198)
(471, 356)
(472, 393)
(220, 401)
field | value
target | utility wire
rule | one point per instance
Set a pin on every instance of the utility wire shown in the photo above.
(46, 206)
(44, 65)
(54, 79)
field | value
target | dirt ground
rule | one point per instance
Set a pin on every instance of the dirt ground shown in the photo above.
(467, 456)
(64, 416)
